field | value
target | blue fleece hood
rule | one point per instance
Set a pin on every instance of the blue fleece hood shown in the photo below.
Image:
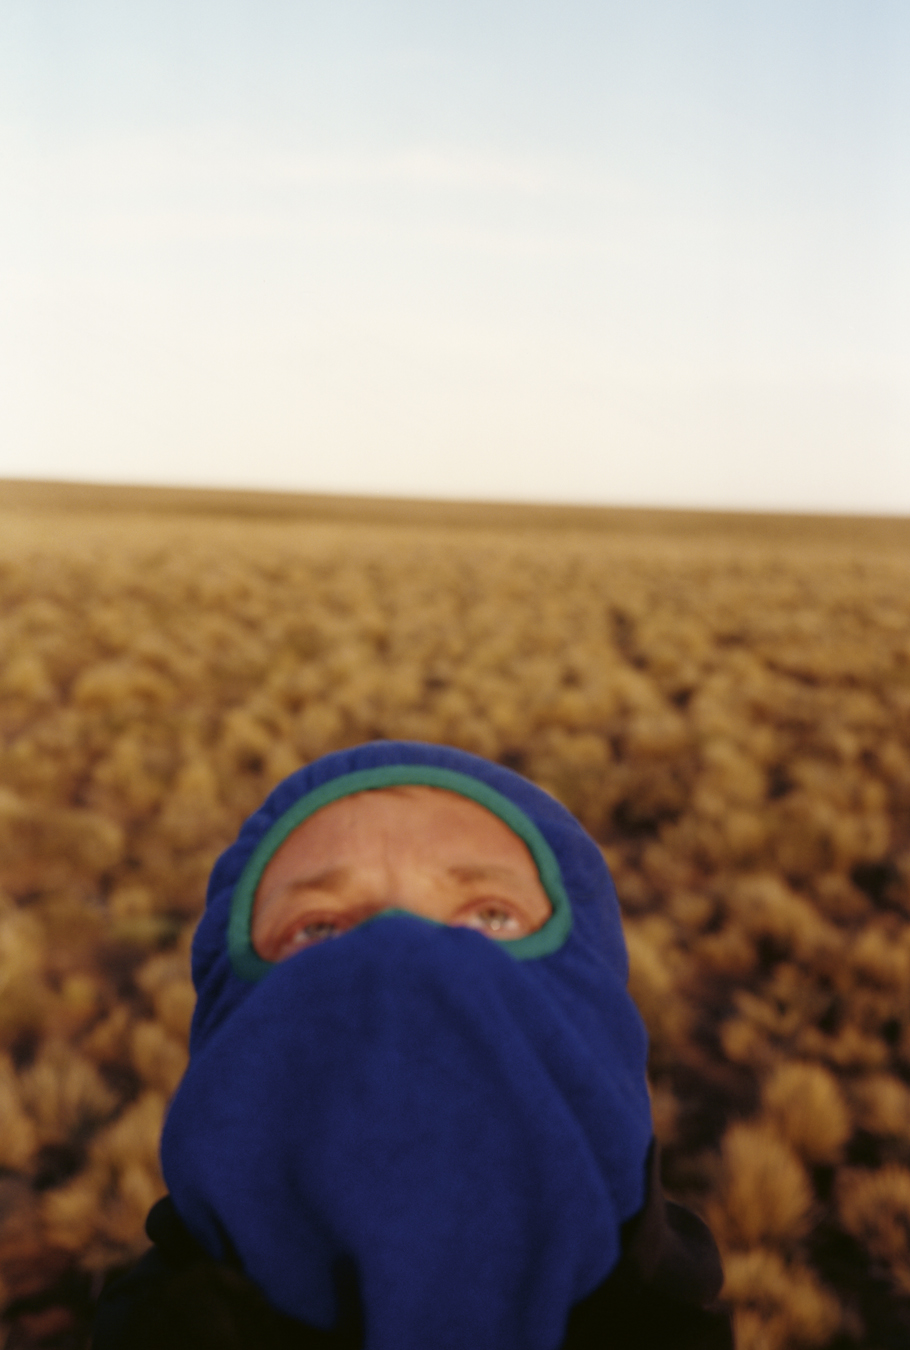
(460, 1125)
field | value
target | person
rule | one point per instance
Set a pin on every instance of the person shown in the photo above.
(416, 1113)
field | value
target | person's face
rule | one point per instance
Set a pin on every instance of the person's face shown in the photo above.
(416, 848)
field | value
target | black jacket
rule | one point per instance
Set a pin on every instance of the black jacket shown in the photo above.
(660, 1296)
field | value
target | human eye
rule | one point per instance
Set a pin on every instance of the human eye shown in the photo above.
(496, 920)
(310, 932)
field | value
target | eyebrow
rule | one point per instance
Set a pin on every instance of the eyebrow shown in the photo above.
(331, 879)
(475, 872)
(334, 878)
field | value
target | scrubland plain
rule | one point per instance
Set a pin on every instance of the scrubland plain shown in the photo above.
(724, 703)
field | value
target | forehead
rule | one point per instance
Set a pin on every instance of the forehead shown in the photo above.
(423, 823)
(446, 784)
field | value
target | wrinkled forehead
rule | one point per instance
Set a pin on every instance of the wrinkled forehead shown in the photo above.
(486, 814)
(426, 826)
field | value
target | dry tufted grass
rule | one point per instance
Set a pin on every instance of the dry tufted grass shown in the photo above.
(724, 702)
(805, 1104)
(764, 1194)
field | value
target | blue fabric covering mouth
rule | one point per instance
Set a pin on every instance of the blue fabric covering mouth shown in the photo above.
(464, 1130)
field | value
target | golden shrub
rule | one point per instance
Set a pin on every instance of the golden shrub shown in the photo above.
(839, 899)
(25, 676)
(174, 1004)
(130, 902)
(126, 781)
(878, 957)
(22, 943)
(132, 1140)
(42, 846)
(72, 1213)
(80, 997)
(807, 1107)
(881, 1105)
(778, 1304)
(109, 1040)
(121, 688)
(765, 1193)
(875, 1207)
(767, 909)
(101, 1213)
(64, 1093)
(23, 1000)
(652, 984)
(18, 1134)
(849, 1048)
(157, 1057)
(192, 813)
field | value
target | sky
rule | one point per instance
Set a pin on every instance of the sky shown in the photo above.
(635, 253)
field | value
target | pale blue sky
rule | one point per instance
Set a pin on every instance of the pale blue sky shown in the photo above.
(642, 252)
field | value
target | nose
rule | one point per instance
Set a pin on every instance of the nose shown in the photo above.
(399, 885)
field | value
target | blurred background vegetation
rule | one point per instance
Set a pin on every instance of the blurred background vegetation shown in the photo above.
(723, 701)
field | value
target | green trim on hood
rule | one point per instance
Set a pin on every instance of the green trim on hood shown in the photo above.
(249, 965)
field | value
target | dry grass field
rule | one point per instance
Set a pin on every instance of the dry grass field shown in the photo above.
(724, 702)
